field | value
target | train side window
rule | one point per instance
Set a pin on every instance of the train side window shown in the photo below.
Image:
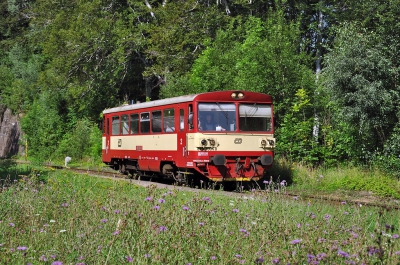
(134, 123)
(145, 122)
(156, 121)
(115, 125)
(124, 124)
(108, 126)
(169, 120)
(182, 119)
(190, 117)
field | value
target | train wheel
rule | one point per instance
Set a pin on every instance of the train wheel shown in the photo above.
(122, 168)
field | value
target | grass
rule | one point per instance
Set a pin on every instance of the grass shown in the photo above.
(56, 217)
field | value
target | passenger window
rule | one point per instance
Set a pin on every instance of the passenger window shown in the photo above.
(115, 125)
(134, 123)
(124, 124)
(181, 119)
(169, 120)
(156, 121)
(144, 122)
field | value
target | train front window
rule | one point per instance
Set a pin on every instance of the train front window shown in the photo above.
(255, 117)
(216, 117)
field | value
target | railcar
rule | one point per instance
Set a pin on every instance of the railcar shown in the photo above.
(171, 137)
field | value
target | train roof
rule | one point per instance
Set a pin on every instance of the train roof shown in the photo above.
(175, 100)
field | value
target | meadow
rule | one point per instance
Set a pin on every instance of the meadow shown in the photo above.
(58, 217)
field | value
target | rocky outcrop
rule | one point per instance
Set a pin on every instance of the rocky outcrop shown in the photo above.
(10, 133)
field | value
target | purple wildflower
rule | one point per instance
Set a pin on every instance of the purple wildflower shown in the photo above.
(343, 254)
(213, 257)
(148, 199)
(117, 232)
(22, 248)
(265, 182)
(129, 259)
(395, 236)
(185, 208)
(65, 204)
(201, 224)
(57, 263)
(117, 211)
(161, 200)
(156, 207)
(259, 260)
(43, 258)
(275, 261)
(235, 210)
(206, 199)
(104, 220)
(147, 255)
(327, 217)
(163, 228)
(238, 255)
(296, 241)
(11, 224)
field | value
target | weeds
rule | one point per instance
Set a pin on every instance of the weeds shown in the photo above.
(76, 219)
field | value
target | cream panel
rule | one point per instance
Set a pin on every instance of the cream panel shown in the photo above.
(103, 143)
(147, 142)
(229, 142)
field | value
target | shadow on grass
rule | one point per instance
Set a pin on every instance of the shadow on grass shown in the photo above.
(280, 171)
(11, 172)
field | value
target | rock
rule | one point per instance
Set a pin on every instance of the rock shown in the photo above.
(10, 133)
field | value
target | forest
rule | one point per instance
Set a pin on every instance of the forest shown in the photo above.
(332, 67)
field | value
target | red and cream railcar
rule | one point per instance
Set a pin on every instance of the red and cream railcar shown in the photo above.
(172, 138)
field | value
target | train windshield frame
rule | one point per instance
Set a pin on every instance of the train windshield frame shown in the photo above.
(251, 117)
(223, 116)
(255, 117)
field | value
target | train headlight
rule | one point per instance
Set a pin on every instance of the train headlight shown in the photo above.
(271, 142)
(263, 143)
(203, 142)
(212, 142)
(237, 95)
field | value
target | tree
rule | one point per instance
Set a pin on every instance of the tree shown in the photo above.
(359, 75)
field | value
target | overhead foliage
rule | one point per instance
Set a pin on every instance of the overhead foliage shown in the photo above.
(252, 55)
(66, 61)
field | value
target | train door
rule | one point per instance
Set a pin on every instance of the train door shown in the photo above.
(106, 139)
(182, 148)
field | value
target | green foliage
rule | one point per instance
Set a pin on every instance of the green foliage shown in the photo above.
(360, 77)
(253, 55)
(388, 159)
(43, 127)
(346, 178)
(84, 139)
(18, 88)
(294, 136)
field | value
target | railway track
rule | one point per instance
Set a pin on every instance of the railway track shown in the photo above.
(362, 199)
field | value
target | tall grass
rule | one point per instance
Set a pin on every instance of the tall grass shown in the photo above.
(344, 178)
(63, 218)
